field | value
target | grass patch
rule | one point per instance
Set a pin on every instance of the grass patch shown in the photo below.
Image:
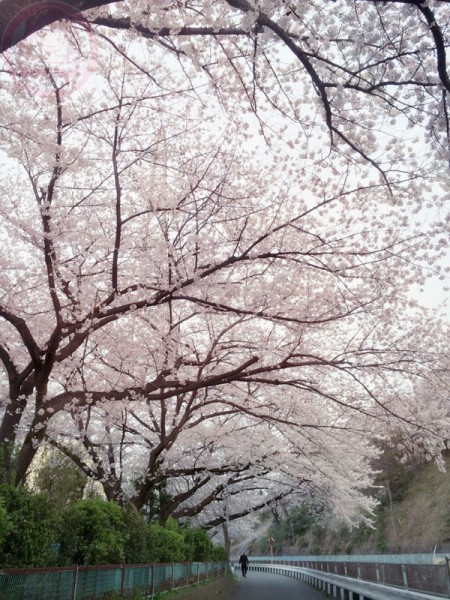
(218, 589)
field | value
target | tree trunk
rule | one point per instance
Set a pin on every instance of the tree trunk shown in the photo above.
(226, 538)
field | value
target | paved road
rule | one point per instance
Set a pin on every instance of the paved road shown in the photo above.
(265, 586)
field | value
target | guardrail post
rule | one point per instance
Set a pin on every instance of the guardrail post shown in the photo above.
(405, 577)
(447, 562)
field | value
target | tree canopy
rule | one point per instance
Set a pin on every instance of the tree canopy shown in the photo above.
(213, 217)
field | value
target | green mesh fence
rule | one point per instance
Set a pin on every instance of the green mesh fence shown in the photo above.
(94, 583)
(139, 577)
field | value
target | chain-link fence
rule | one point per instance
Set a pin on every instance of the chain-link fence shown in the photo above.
(96, 583)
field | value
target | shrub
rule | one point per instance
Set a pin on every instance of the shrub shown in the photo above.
(136, 550)
(29, 526)
(165, 544)
(93, 534)
(5, 525)
(218, 554)
(199, 547)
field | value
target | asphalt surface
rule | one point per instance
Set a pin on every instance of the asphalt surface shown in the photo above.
(265, 586)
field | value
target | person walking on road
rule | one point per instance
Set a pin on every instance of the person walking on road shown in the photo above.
(243, 561)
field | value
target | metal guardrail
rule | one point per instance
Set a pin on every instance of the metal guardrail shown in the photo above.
(388, 581)
(403, 559)
(347, 588)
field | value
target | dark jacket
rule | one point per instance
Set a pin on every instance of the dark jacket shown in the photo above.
(243, 560)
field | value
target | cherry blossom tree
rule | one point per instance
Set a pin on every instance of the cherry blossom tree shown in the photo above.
(209, 241)
(352, 60)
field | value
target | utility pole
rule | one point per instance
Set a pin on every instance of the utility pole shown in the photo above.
(271, 542)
